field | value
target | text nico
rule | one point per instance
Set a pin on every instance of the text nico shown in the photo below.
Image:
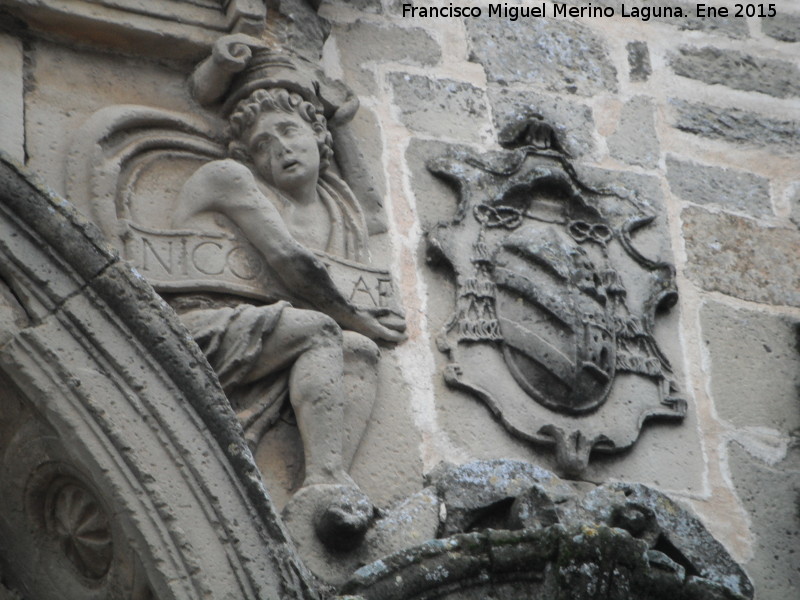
(176, 261)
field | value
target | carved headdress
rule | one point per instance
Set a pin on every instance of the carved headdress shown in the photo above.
(240, 65)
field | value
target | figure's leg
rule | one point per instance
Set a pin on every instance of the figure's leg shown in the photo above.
(310, 344)
(361, 356)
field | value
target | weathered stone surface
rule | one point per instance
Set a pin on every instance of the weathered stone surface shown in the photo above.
(572, 121)
(367, 130)
(635, 140)
(435, 199)
(639, 61)
(736, 125)
(295, 24)
(440, 107)
(755, 366)
(794, 203)
(641, 188)
(68, 85)
(738, 70)
(371, 6)
(786, 28)
(510, 520)
(736, 256)
(7, 594)
(12, 110)
(360, 43)
(561, 55)
(771, 494)
(175, 30)
(727, 188)
(471, 426)
(728, 26)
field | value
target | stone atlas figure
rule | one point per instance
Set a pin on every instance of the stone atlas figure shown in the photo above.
(279, 191)
(261, 247)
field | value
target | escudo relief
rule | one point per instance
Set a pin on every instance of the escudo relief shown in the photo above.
(556, 303)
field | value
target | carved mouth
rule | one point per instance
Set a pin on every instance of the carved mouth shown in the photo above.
(288, 164)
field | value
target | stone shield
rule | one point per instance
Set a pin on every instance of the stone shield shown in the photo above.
(553, 323)
(556, 320)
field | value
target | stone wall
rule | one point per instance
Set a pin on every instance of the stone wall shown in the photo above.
(700, 117)
(703, 115)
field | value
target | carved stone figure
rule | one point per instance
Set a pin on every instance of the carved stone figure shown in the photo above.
(286, 205)
(553, 323)
(264, 254)
(279, 193)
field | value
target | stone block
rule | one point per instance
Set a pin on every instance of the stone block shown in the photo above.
(640, 188)
(794, 203)
(366, 129)
(786, 28)
(67, 86)
(738, 70)
(639, 61)
(440, 107)
(738, 257)
(635, 141)
(727, 26)
(561, 55)
(370, 6)
(296, 24)
(755, 366)
(12, 109)
(771, 495)
(361, 43)
(736, 125)
(727, 188)
(572, 121)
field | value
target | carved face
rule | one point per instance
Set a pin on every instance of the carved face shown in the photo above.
(285, 150)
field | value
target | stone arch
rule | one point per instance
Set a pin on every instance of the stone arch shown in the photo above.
(123, 471)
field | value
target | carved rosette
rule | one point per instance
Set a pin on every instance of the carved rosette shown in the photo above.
(60, 520)
(75, 518)
(555, 304)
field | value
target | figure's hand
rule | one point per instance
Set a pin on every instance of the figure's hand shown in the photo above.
(380, 324)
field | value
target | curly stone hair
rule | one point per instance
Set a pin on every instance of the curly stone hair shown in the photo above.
(248, 110)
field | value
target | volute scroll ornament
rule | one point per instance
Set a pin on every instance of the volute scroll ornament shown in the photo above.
(556, 305)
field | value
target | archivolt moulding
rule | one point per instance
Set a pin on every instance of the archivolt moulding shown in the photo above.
(124, 473)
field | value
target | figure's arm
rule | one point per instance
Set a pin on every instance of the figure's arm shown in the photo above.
(230, 188)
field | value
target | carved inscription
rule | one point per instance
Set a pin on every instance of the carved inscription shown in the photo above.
(183, 260)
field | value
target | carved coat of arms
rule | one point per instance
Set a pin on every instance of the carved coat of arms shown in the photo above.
(556, 304)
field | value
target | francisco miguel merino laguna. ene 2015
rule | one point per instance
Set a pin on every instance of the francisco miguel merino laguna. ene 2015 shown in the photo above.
(644, 13)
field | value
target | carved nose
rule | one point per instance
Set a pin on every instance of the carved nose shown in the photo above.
(281, 147)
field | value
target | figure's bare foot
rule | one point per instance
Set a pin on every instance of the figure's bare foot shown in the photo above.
(342, 523)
